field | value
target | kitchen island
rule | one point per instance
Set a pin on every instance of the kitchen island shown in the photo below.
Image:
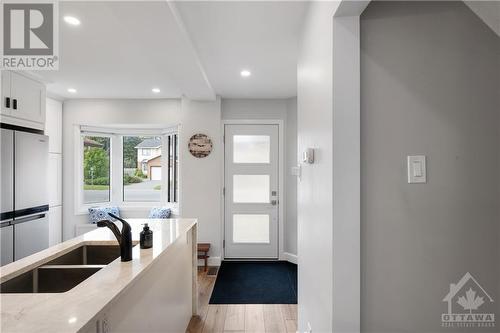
(155, 292)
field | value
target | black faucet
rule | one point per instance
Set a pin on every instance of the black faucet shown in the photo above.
(124, 238)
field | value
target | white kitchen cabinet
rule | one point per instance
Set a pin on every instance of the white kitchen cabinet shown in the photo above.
(6, 100)
(55, 225)
(29, 95)
(55, 179)
(53, 125)
(23, 100)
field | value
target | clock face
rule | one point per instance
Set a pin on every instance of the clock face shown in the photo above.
(200, 145)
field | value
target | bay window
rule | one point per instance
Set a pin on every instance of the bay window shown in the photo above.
(127, 168)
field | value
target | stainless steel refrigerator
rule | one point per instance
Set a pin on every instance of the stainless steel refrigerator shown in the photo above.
(24, 227)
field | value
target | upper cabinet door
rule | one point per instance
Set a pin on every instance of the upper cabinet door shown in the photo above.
(53, 125)
(27, 98)
(6, 104)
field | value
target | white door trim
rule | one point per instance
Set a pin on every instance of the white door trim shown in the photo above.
(281, 181)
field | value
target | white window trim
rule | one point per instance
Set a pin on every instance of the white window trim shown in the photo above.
(116, 168)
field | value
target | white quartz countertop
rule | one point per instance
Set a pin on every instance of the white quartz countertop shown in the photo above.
(71, 310)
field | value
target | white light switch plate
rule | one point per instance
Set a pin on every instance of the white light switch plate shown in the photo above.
(417, 171)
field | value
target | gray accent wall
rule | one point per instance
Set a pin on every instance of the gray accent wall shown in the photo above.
(430, 85)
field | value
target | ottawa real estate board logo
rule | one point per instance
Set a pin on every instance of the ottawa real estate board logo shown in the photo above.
(469, 305)
(30, 35)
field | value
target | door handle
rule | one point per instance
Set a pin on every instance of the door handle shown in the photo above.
(14, 104)
(7, 102)
(29, 218)
(274, 202)
(6, 223)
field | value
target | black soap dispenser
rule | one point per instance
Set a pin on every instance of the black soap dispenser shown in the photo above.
(146, 237)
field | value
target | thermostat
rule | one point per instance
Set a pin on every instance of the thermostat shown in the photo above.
(308, 156)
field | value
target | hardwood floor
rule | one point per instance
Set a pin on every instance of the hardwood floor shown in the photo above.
(256, 318)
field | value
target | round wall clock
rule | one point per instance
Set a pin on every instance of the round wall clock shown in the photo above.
(200, 145)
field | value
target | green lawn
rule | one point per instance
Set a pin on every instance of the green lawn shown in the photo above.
(96, 187)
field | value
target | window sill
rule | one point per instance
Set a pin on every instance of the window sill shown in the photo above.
(140, 207)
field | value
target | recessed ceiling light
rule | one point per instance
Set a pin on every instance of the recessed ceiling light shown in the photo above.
(71, 20)
(155, 90)
(72, 90)
(245, 73)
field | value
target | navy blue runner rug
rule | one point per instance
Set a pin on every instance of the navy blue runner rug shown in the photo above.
(255, 282)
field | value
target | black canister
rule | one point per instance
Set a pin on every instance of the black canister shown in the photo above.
(146, 237)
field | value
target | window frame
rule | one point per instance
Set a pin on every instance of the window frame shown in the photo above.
(116, 189)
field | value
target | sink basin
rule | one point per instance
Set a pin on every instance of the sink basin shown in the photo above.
(89, 255)
(49, 279)
(64, 272)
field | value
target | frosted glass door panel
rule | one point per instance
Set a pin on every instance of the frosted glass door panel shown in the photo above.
(251, 149)
(251, 188)
(249, 228)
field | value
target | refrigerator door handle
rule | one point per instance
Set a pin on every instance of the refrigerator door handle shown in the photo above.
(28, 218)
(7, 216)
(19, 214)
(6, 223)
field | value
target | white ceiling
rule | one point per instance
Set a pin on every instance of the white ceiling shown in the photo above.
(259, 36)
(123, 50)
(196, 49)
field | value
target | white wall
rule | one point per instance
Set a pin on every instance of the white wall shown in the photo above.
(254, 109)
(201, 183)
(286, 110)
(200, 179)
(102, 113)
(53, 128)
(291, 160)
(315, 190)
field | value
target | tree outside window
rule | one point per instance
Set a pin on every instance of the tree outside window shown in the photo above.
(96, 172)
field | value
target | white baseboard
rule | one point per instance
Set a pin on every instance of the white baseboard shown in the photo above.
(212, 261)
(290, 257)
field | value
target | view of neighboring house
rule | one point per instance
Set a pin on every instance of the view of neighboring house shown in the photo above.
(149, 158)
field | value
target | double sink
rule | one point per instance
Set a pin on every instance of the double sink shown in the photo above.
(64, 272)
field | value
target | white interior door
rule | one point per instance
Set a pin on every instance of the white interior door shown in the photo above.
(251, 191)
